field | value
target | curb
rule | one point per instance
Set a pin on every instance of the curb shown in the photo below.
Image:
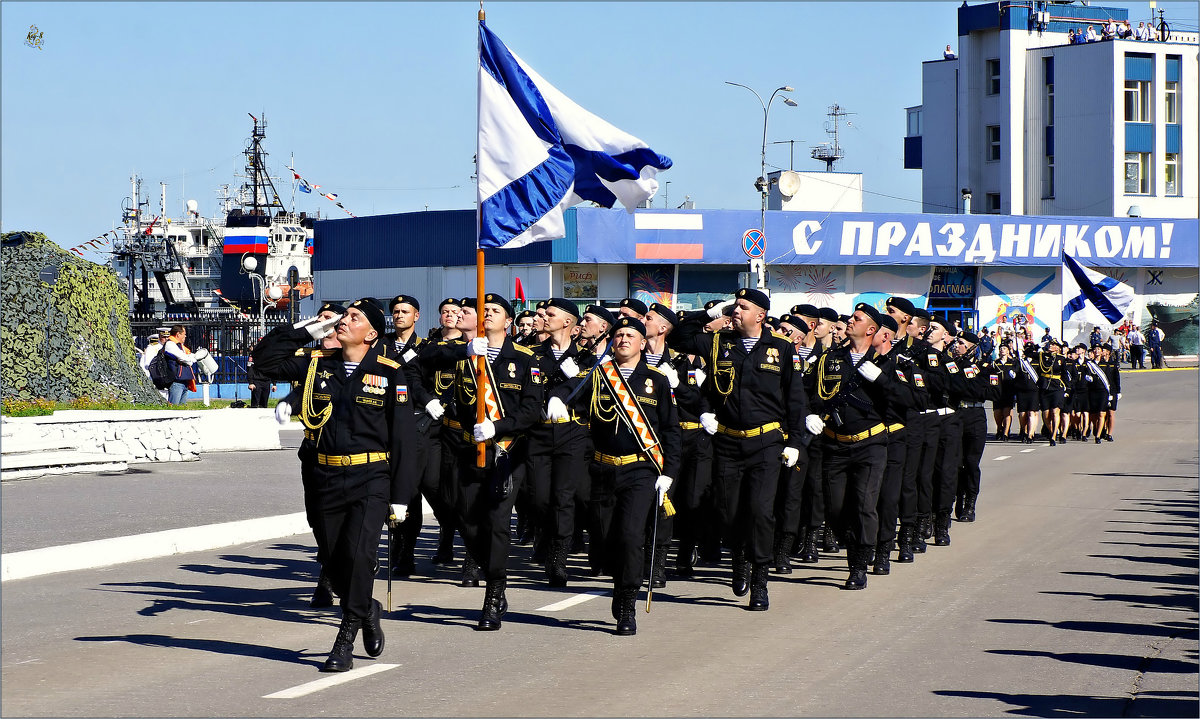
(118, 550)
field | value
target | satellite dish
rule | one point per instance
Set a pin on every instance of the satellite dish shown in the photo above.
(192, 206)
(789, 183)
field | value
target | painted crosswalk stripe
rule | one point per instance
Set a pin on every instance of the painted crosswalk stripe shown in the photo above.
(567, 603)
(1003, 457)
(330, 681)
(1027, 451)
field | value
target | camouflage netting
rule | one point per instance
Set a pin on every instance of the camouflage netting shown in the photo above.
(89, 351)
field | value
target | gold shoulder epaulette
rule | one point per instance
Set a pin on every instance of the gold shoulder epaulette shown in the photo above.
(302, 352)
(322, 353)
(656, 370)
(310, 352)
(522, 348)
(418, 341)
(781, 336)
(387, 362)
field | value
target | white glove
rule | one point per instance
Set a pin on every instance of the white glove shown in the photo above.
(719, 309)
(708, 421)
(661, 485)
(569, 367)
(1013, 375)
(304, 323)
(556, 410)
(870, 370)
(283, 412)
(477, 347)
(814, 424)
(1110, 398)
(435, 409)
(700, 376)
(790, 456)
(1118, 395)
(485, 430)
(1087, 378)
(399, 511)
(322, 329)
(672, 375)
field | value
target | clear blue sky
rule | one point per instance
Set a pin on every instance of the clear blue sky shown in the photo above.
(377, 100)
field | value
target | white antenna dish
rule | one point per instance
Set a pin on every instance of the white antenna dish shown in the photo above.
(192, 206)
(789, 183)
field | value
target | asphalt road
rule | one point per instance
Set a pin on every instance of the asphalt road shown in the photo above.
(1075, 593)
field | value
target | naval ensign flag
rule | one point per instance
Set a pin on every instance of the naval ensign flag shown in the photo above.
(540, 153)
(1091, 297)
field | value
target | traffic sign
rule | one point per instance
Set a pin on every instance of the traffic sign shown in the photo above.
(754, 244)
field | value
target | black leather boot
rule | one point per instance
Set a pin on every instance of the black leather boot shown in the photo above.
(470, 572)
(759, 601)
(624, 611)
(372, 630)
(741, 573)
(323, 595)
(942, 530)
(905, 554)
(445, 550)
(556, 564)
(829, 542)
(919, 534)
(783, 563)
(685, 559)
(959, 511)
(883, 559)
(658, 577)
(495, 604)
(341, 657)
(403, 562)
(856, 558)
(808, 549)
(968, 514)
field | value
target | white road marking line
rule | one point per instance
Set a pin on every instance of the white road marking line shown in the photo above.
(566, 603)
(197, 621)
(1027, 451)
(1002, 457)
(330, 681)
(27, 661)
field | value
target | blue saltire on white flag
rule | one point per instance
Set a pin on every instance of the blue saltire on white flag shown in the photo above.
(1092, 297)
(540, 153)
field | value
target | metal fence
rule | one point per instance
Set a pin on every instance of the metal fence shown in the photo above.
(228, 337)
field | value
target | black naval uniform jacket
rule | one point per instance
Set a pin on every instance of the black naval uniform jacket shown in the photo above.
(689, 400)
(609, 433)
(847, 401)
(902, 393)
(982, 381)
(549, 376)
(408, 355)
(747, 390)
(369, 409)
(931, 374)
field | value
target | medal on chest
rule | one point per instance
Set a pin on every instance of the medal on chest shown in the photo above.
(374, 384)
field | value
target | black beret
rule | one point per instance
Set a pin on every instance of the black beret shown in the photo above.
(370, 308)
(565, 305)
(494, 299)
(467, 302)
(888, 322)
(827, 313)
(405, 299)
(797, 322)
(773, 323)
(636, 305)
(680, 315)
(918, 312)
(843, 318)
(632, 323)
(969, 336)
(758, 297)
(945, 322)
(806, 311)
(870, 311)
(665, 312)
(711, 304)
(903, 304)
(332, 307)
(541, 305)
(601, 312)
(449, 301)
(523, 314)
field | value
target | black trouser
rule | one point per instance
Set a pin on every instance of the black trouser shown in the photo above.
(623, 498)
(557, 468)
(853, 472)
(888, 506)
(691, 488)
(949, 456)
(974, 438)
(914, 439)
(745, 476)
(350, 507)
(260, 394)
(929, 454)
(789, 497)
(484, 516)
(1137, 357)
(429, 459)
(812, 494)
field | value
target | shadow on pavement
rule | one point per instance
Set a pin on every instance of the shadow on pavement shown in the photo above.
(1156, 704)
(225, 648)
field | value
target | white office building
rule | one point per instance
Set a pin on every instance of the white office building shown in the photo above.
(1031, 124)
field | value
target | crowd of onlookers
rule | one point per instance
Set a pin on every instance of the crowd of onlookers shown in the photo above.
(1111, 30)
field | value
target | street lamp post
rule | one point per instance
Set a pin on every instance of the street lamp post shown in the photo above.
(266, 298)
(759, 267)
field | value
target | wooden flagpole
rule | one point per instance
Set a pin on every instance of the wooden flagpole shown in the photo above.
(480, 370)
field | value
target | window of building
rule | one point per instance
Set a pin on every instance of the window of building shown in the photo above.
(993, 143)
(1137, 173)
(993, 203)
(1048, 74)
(1048, 178)
(993, 77)
(1171, 174)
(1172, 105)
(1137, 101)
(914, 122)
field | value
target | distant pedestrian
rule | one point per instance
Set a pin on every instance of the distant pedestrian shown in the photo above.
(1137, 349)
(260, 386)
(949, 54)
(181, 361)
(1154, 338)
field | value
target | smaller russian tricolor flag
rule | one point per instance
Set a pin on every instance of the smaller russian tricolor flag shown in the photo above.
(401, 393)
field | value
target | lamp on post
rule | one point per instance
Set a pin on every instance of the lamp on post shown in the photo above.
(267, 297)
(759, 267)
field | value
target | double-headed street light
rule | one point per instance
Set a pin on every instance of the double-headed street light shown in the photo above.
(759, 267)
